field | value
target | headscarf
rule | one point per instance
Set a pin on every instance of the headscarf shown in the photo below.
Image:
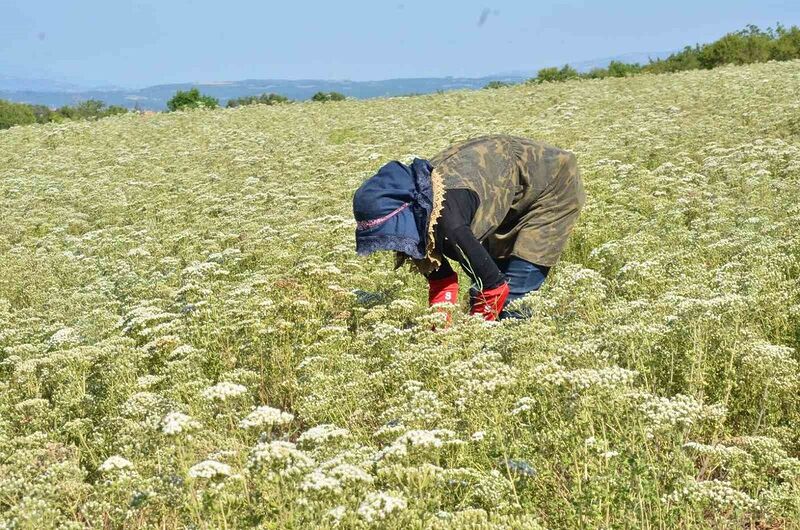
(393, 210)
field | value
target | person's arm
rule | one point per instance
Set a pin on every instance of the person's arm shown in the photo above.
(455, 237)
(461, 244)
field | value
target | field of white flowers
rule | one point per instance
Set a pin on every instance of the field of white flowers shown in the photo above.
(188, 340)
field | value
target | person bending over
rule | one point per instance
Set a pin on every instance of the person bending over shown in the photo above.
(501, 206)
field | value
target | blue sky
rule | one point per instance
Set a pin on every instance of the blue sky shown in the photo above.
(139, 43)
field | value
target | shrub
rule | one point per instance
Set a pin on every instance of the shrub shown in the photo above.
(743, 47)
(555, 74)
(787, 44)
(89, 109)
(546, 74)
(15, 114)
(328, 96)
(191, 99)
(497, 84)
(265, 99)
(750, 45)
(620, 69)
(23, 113)
(43, 113)
(596, 73)
(677, 62)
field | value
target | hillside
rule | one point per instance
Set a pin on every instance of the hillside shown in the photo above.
(56, 94)
(163, 275)
(156, 97)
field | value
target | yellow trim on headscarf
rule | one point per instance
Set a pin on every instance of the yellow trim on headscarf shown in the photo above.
(433, 256)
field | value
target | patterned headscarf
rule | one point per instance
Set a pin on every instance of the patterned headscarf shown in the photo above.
(393, 209)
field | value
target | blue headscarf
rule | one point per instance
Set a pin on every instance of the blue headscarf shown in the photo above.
(392, 209)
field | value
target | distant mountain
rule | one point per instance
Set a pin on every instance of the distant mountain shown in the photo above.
(15, 84)
(57, 93)
(156, 97)
(10, 83)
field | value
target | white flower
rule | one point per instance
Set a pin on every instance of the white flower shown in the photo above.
(479, 376)
(138, 253)
(209, 469)
(717, 493)
(717, 450)
(146, 381)
(223, 390)
(63, 337)
(583, 378)
(434, 438)
(114, 463)
(522, 405)
(378, 505)
(402, 303)
(321, 434)
(680, 411)
(421, 439)
(177, 422)
(478, 436)
(183, 350)
(266, 416)
(319, 481)
(337, 513)
(350, 473)
(280, 457)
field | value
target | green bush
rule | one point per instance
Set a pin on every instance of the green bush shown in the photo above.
(743, 47)
(497, 84)
(546, 74)
(750, 45)
(42, 113)
(596, 73)
(677, 62)
(265, 99)
(191, 99)
(615, 69)
(89, 109)
(24, 113)
(787, 44)
(15, 114)
(620, 69)
(555, 74)
(328, 96)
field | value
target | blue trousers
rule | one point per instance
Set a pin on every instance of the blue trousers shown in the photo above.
(523, 277)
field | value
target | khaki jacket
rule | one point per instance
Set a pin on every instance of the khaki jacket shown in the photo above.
(530, 194)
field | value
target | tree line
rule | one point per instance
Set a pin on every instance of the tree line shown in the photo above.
(750, 45)
(24, 114)
(12, 113)
(194, 99)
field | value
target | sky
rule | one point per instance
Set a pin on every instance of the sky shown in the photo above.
(134, 44)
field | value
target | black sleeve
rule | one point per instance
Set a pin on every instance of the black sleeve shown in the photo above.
(442, 272)
(457, 241)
